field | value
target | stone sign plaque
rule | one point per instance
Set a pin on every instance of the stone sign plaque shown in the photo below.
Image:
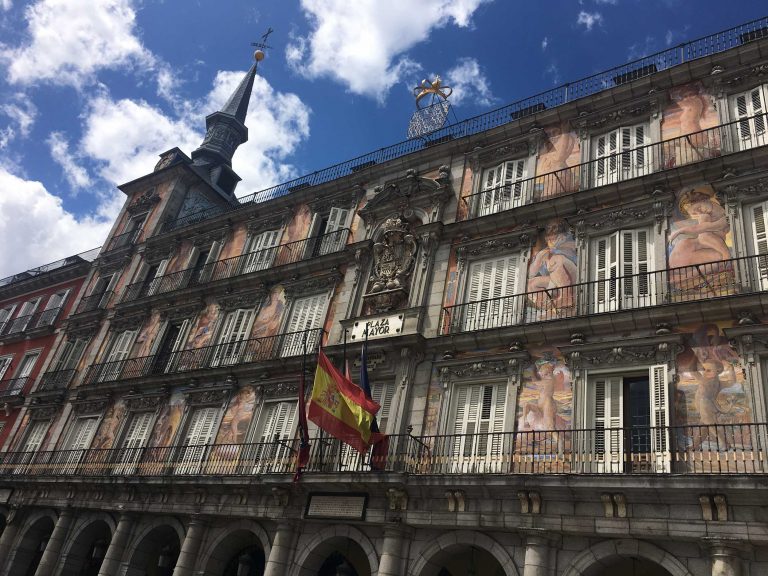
(334, 505)
(381, 327)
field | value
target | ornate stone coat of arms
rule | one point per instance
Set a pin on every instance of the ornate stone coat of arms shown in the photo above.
(394, 256)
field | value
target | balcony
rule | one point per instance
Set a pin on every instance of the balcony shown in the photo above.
(273, 257)
(97, 301)
(678, 450)
(224, 355)
(23, 326)
(55, 381)
(684, 150)
(10, 390)
(738, 276)
(124, 240)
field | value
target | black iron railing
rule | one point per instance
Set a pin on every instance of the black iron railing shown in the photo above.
(697, 449)
(88, 256)
(29, 322)
(57, 380)
(611, 294)
(634, 163)
(706, 46)
(273, 257)
(96, 301)
(13, 387)
(122, 240)
(233, 353)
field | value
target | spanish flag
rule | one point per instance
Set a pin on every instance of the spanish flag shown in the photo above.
(340, 407)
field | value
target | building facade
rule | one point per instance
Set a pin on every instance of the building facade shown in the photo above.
(563, 302)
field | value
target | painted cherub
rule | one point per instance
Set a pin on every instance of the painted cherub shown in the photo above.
(704, 240)
(541, 414)
(710, 377)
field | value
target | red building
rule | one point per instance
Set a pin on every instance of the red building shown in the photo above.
(32, 306)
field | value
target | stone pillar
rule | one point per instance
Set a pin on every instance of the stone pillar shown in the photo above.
(392, 551)
(189, 549)
(9, 536)
(726, 560)
(279, 561)
(114, 555)
(536, 555)
(52, 554)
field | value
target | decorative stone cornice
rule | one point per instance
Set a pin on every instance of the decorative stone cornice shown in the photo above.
(121, 323)
(271, 221)
(90, 405)
(506, 366)
(243, 300)
(144, 402)
(638, 351)
(402, 195)
(348, 198)
(181, 311)
(733, 189)
(725, 79)
(609, 117)
(144, 202)
(297, 287)
(474, 249)
(43, 412)
(205, 239)
(207, 397)
(278, 390)
(654, 208)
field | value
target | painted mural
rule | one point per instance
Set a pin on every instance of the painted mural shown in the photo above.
(552, 267)
(270, 315)
(691, 112)
(106, 437)
(168, 422)
(545, 400)
(237, 419)
(201, 334)
(559, 151)
(711, 390)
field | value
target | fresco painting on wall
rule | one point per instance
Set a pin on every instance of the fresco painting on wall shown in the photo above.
(700, 235)
(552, 273)
(168, 422)
(106, 437)
(234, 427)
(691, 112)
(559, 151)
(710, 391)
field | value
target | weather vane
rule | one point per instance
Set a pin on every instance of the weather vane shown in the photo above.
(261, 46)
(431, 107)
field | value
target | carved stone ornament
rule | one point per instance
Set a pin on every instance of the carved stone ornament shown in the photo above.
(393, 256)
(604, 119)
(205, 239)
(620, 355)
(257, 224)
(207, 397)
(281, 390)
(90, 405)
(43, 412)
(348, 198)
(247, 300)
(144, 402)
(398, 499)
(131, 322)
(181, 311)
(81, 330)
(469, 250)
(144, 202)
(297, 287)
(525, 145)
(735, 78)
(481, 369)
(404, 194)
(153, 254)
(171, 157)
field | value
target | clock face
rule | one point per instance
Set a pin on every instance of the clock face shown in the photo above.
(429, 119)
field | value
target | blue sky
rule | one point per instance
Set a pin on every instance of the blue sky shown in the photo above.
(92, 90)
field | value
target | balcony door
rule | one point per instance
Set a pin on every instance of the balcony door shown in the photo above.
(233, 339)
(197, 440)
(52, 308)
(503, 187)
(759, 238)
(331, 231)
(307, 314)
(134, 441)
(78, 441)
(478, 442)
(621, 154)
(23, 372)
(490, 295)
(169, 353)
(749, 109)
(32, 442)
(622, 262)
(23, 317)
(274, 449)
(118, 354)
(260, 251)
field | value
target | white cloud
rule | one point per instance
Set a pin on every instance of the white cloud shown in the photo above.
(6, 5)
(70, 40)
(362, 44)
(611, 2)
(544, 43)
(553, 72)
(22, 113)
(36, 229)
(76, 175)
(469, 83)
(590, 19)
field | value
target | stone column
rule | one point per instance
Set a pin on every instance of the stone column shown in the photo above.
(392, 551)
(279, 561)
(9, 536)
(52, 553)
(536, 554)
(114, 555)
(726, 559)
(192, 541)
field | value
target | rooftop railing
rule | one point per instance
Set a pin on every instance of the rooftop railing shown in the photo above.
(88, 256)
(611, 294)
(272, 257)
(225, 354)
(686, 450)
(705, 46)
(683, 150)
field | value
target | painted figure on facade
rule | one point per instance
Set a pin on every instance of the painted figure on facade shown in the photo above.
(553, 268)
(545, 398)
(692, 112)
(560, 144)
(702, 237)
(107, 435)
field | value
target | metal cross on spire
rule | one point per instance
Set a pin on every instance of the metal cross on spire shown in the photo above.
(262, 45)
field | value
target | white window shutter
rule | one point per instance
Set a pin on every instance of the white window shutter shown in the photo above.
(260, 250)
(333, 240)
(35, 436)
(307, 313)
(760, 241)
(237, 328)
(479, 411)
(607, 422)
(5, 363)
(138, 431)
(659, 416)
(122, 346)
(200, 429)
(70, 354)
(22, 319)
(5, 316)
(749, 108)
(491, 283)
(82, 433)
(27, 364)
(156, 280)
(382, 393)
(606, 258)
(278, 421)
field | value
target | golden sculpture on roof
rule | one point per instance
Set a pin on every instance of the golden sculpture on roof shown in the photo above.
(435, 89)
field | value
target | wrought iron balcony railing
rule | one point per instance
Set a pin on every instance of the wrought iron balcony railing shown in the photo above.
(122, 240)
(29, 322)
(563, 94)
(225, 354)
(613, 294)
(698, 449)
(92, 302)
(57, 380)
(703, 145)
(13, 387)
(273, 257)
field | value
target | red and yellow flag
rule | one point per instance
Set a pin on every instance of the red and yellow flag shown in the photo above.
(340, 407)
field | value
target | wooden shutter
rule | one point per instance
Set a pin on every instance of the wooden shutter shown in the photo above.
(70, 354)
(5, 315)
(52, 308)
(607, 422)
(382, 393)
(35, 436)
(237, 328)
(261, 251)
(177, 347)
(606, 258)
(138, 431)
(479, 414)
(278, 421)
(155, 283)
(606, 166)
(760, 241)
(635, 251)
(121, 348)
(82, 433)
(514, 191)
(24, 316)
(749, 108)
(199, 435)
(27, 363)
(633, 155)
(491, 286)
(337, 220)
(659, 416)
(5, 363)
(307, 313)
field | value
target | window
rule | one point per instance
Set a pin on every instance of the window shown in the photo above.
(627, 419)
(196, 440)
(134, 440)
(52, 308)
(77, 442)
(478, 413)
(5, 363)
(260, 251)
(70, 354)
(33, 439)
(749, 109)
(490, 294)
(24, 371)
(276, 429)
(382, 393)
(119, 350)
(5, 315)
(24, 316)
(758, 214)
(232, 342)
(622, 262)
(304, 323)
(168, 354)
(332, 231)
(503, 187)
(153, 279)
(101, 293)
(202, 264)
(132, 230)
(621, 154)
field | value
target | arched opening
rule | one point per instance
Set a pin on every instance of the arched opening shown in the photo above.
(30, 548)
(156, 554)
(240, 553)
(463, 560)
(87, 550)
(338, 556)
(627, 566)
